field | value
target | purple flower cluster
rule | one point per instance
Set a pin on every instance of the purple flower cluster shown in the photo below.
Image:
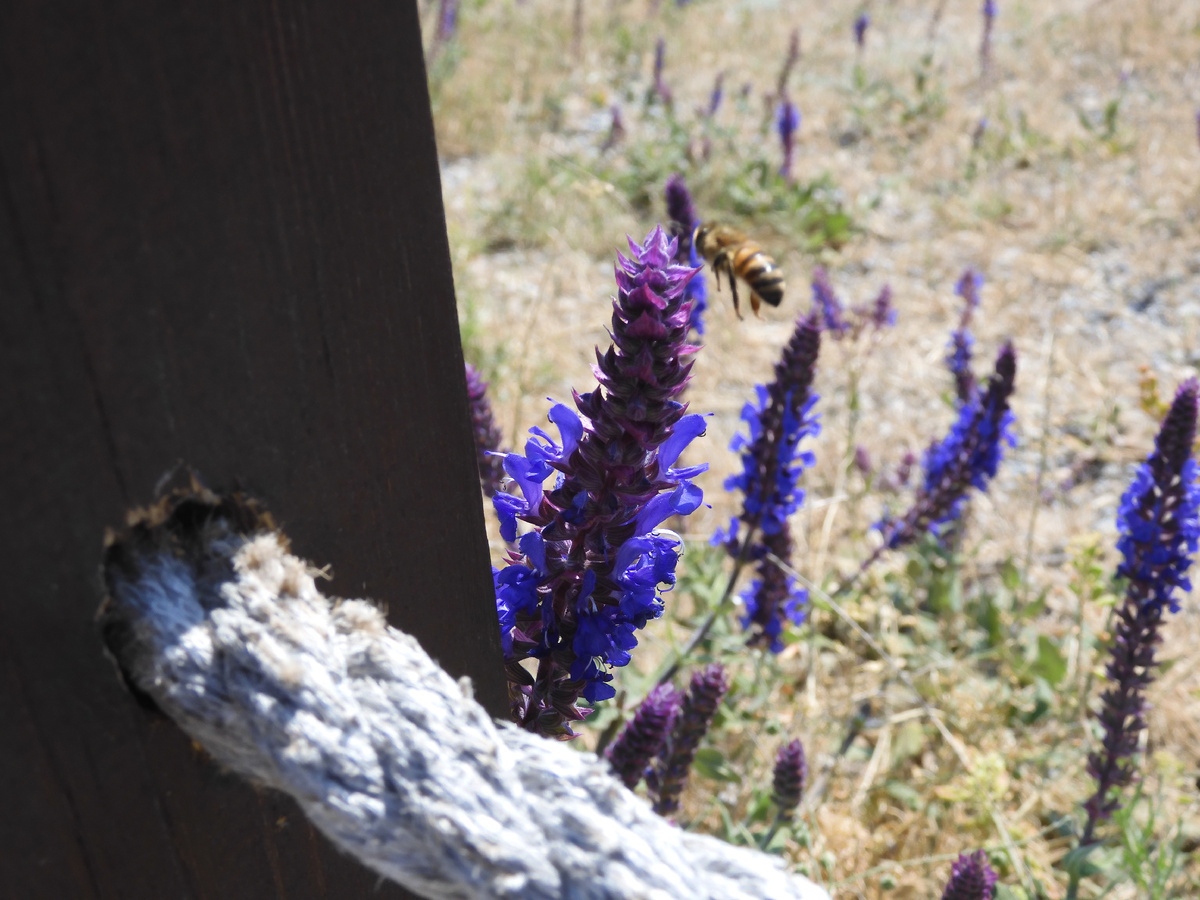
(971, 878)
(882, 312)
(487, 434)
(787, 122)
(684, 220)
(861, 24)
(588, 576)
(968, 457)
(718, 94)
(827, 302)
(772, 463)
(958, 360)
(874, 316)
(447, 20)
(1159, 523)
(791, 775)
(645, 734)
(670, 774)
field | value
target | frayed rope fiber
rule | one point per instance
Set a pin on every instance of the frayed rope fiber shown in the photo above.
(211, 618)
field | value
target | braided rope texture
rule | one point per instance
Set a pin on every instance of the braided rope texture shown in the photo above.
(212, 619)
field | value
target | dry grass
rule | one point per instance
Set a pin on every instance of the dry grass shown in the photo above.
(1088, 240)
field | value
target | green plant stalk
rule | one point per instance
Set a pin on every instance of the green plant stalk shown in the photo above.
(723, 606)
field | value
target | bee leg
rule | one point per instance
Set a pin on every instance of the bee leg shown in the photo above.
(733, 287)
(755, 303)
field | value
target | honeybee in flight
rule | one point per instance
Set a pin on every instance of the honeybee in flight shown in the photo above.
(730, 251)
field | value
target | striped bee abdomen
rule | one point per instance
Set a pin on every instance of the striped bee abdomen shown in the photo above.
(752, 264)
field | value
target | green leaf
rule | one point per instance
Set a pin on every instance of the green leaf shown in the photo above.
(1032, 608)
(1077, 862)
(903, 793)
(1010, 575)
(1050, 664)
(711, 763)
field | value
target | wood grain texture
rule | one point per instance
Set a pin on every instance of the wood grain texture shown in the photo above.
(222, 243)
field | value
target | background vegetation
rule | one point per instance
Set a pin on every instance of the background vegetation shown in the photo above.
(1065, 171)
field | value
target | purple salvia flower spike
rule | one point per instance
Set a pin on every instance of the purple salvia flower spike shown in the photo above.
(670, 774)
(985, 44)
(616, 132)
(487, 434)
(775, 597)
(971, 878)
(644, 734)
(598, 562)
(717, 95)
(969, 456)
(682, 213)
(862, 460)
(790, 777)
(962, 342)
(772, 464)
(447, 20)
(660, 87)
(1159, 523)
(883, 311)
(787, 122)
(861, 24)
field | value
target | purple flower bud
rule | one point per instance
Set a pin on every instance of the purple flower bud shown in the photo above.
(968, 457)
(670, 775)
(981, 128)
(660, 87)
(447, 20)
(616, 132)
(883, 312)
(791, 775)
(971, 878)
(487, 435)
(644, 734)
(1159, 524)
(968, 286)
(598, 557)
(787, 121)
(718, 93)
(860, 30)
(862, 459)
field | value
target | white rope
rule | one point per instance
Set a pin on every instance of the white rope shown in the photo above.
(386, 753)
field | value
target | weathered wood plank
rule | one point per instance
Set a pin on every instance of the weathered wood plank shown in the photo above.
(221, 242)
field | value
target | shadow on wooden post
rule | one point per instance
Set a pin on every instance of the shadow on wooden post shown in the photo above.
(221, 242)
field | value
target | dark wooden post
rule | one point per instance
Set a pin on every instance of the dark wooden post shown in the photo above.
(222, 243)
